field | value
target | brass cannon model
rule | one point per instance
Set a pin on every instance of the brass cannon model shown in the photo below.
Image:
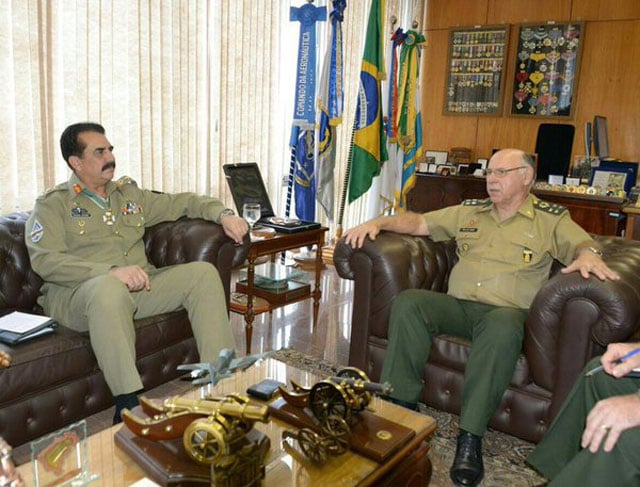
(332, 402)
(210, 428)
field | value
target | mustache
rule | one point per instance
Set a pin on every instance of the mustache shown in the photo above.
(109, 165)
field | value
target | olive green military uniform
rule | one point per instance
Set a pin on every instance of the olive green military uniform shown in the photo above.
(559, 455)
(501, 265)
(75, 237)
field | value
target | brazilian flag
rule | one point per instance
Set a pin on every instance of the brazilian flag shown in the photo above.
(369, 140)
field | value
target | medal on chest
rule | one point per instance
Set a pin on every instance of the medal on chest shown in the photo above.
(108, 217)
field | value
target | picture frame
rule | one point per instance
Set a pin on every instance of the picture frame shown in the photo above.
(439, 157)
(547, 64)
(475, 76)
(605, 172)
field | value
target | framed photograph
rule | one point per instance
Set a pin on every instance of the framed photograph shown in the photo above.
(439, 157)
(546, 72)
(475, 70)
(432, 168)
(618, 175)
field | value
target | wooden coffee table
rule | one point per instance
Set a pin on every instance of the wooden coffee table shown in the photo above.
(285, 464)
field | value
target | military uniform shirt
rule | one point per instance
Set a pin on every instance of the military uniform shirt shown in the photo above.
(505, 263)
(74, 235)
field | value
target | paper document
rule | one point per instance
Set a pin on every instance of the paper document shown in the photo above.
(18, 322)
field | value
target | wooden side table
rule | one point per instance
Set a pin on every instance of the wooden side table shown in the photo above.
(281, 242)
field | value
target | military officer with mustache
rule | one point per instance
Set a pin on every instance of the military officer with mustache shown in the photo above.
(85, 239)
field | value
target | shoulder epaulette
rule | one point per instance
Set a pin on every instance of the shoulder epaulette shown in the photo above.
(58, 187)
(124, 181)
(553, 208)
(477, 202)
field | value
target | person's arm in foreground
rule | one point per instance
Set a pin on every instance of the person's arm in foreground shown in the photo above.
(409, 223)
(611, 416)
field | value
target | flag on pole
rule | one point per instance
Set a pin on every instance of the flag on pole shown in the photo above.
(385, 187)
(301, 167)
(305, 187)
(409, 117)
(330, 107)
(369, 146)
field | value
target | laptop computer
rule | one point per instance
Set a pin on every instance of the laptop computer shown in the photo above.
(246, 186)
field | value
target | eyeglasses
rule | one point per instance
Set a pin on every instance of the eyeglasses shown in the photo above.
(502, 172)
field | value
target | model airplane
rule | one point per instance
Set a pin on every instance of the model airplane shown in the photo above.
(225, 366)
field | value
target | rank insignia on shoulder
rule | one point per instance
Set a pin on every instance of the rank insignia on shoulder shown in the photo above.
(477, 202)
(551, 208)
(124, 180)
(78, 212)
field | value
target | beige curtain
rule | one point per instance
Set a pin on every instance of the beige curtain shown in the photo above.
(182, 87)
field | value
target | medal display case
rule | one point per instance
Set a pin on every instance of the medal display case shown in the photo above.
(475, 70)
(546, 74)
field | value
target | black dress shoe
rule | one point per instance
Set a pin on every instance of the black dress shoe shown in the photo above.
(467, 466)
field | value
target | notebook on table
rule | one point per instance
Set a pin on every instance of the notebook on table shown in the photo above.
(246, 186)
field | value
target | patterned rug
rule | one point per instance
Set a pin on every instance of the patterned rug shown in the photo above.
(504, 455)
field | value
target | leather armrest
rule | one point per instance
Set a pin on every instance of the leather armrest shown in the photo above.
(572, 319)
(192, 239)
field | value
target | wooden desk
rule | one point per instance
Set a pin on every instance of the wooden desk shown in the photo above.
(632, 231)
(599, 215)
(285, 464)
(272, 246)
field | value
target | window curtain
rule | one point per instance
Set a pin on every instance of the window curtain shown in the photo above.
(181, 86)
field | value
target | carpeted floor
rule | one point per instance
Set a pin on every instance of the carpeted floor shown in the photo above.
(503, 454)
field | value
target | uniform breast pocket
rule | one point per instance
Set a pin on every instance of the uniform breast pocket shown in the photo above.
(133, 220)
(525, 251)
(468, 240)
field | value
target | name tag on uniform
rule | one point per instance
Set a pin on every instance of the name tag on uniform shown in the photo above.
(468, 230)
(78, 212)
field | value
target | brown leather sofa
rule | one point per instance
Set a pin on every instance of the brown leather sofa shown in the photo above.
(571, 320)
(54, 380)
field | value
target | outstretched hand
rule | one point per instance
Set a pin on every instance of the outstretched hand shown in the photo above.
(234, 227)
(589, 263)
(357, 235)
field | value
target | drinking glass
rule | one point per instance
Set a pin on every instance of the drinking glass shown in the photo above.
(251, 213)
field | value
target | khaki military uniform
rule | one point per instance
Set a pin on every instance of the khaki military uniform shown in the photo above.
(501, 266)
(559, 455)
(74, 238)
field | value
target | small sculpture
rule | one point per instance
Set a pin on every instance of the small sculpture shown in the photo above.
(333, 403)
(215, 431)
(225, 366)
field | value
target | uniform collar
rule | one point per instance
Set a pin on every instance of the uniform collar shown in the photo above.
(526, 209)
(77, 187)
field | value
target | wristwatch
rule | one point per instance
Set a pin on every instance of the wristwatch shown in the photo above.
(594, 250)
(226, 212)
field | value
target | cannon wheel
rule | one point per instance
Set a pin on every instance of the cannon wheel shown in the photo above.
(327, 399)
(204, 441)
(311, 446)
(355, 373)
(338, 432)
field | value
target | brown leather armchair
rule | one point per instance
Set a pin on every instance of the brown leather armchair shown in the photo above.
(571, 320)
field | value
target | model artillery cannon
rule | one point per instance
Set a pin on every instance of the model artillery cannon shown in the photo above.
(211, 429)
(333, 402)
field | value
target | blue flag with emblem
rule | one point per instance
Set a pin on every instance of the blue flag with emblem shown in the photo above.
(305, 185)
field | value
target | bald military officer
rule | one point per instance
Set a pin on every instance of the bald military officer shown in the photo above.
(84, 239)
(505, 247)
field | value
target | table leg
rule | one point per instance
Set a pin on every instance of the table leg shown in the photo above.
(317, 292)
(249, 314)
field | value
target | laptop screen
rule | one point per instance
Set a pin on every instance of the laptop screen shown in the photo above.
(246, 186)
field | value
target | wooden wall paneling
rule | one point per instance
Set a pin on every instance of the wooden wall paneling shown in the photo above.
(441, 132)
(608, 85)
(523, 11)
(605, 9)
(456, 13)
